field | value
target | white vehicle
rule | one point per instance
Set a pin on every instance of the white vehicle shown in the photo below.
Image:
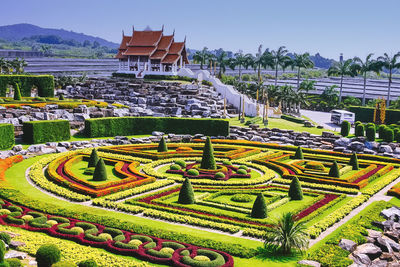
(338, 116)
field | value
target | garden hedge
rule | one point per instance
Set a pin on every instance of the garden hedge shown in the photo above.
(7, 138)
(102, 127)
(44, 84)
(36, 132)
(293, 119)
(366, 114)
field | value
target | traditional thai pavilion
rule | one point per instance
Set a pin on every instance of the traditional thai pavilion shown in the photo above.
(151, 52)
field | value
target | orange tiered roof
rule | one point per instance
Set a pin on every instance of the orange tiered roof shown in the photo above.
(152, 44)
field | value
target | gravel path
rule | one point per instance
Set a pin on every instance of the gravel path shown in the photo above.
(377, 197)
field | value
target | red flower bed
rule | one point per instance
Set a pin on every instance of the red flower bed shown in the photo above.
(328, 198)
(367, 175)
(141, 252)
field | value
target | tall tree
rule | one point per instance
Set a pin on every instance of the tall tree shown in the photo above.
(222, 61)
(286, 234)
(201, 57)
(301, 61)
(240, 60)
(342, 68)
(390, 64)
(279, 58)
(363, 67)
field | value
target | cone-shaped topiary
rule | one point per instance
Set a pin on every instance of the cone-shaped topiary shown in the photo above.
(162, 145)
(94, 158)
(334, 171)
(354, 161)
(295, 190)
(100, 173)
(299, 153)
(17, 92)
(186, 195)
(259, 209)
(345, 128)
(47, 255)
(61, 97)
(208, 161)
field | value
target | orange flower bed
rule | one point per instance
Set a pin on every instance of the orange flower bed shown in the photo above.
(7, 163)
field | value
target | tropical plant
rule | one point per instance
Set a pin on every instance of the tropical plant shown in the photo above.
(363, 67)
(390, 64)
(222, 61)
(201, 57)
(330, 95)
(301, 61)
(286, 235)
(342, 68)
(240, 61)
(279, 58)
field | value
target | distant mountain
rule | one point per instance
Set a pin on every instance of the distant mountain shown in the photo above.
(18, 32)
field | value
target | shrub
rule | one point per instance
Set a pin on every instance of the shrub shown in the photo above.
(208, 161)
(354, 161)
(101, 127)
(36, 132)
(7, 138)
(94, 158)
(381, 131)
(61, 97)
(299, 153)
(334, 170)
(241, 171)
(219, 175)
(241, 198)
(44, 83)
(259, 209)
(4, 264)
(175, 167)
(162, 145)
(227, 162)
(388, 135)
(295, 190)
(345, 128)
(181, 163)
(47, 255)
(17, 92)
(370, 133)
(397, 137)
(105, 236)
(13, 262)
(100, 172)
(2, 250)
(186, 194)
(193, 172)
(64, 264)
(5, 237)
(359, 130)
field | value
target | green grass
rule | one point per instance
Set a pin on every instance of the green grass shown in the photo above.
(79, 167)
(281, 124)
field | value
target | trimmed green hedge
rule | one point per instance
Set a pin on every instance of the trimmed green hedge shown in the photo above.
(44, 84)
(7, 138)
(293, 119)
(366, 114)
(36, 132)
(103, 127)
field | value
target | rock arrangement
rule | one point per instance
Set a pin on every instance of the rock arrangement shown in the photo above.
(382, 248)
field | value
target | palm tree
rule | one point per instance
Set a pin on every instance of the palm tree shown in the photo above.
(278, 59)
(301, 61)
(330, 95)
(201, 57)
(363, 67)
(390, 64)
(286, 235)
(341, 69)
(222, 63)
(240, 61)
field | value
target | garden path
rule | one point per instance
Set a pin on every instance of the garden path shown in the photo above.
(377, 197)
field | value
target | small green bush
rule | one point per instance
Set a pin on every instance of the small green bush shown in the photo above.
(397, 137)
(299, 153)
(359, 130)
(241, 171)
(193, 172)
(227, 162)
(13, 262)
(186, 194)
(4, 264)
(5, 237)
(334, 170)
(2, 250)
(244, 198)
(94, 158)
(388, 135)
(381, 131)
(370, 133)
(64, 264)
(295, 190)
(175, 167)
(219, 175)
(208, 161)
(181, 163)
(354, 161)
(100, 172)
(61, 97)
(47, 255)
(162, 145)
(345, 128)
(259, 209)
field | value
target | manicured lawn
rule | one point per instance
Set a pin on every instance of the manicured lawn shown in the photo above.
(282, 124)
(78, 169)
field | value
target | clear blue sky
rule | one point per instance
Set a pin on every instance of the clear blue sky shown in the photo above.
(353, 27)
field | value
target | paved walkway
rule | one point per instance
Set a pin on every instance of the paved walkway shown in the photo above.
(377, 197)
(322, 118)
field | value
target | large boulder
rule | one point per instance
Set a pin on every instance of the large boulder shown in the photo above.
(385, 149)
(369, 249)
(393, 212)
(360, 259)
(348, 245)
(356, 146)
(309, 263)
(342, 142)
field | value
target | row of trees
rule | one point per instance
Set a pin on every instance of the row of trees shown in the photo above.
(15, 66)
(279, 59)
